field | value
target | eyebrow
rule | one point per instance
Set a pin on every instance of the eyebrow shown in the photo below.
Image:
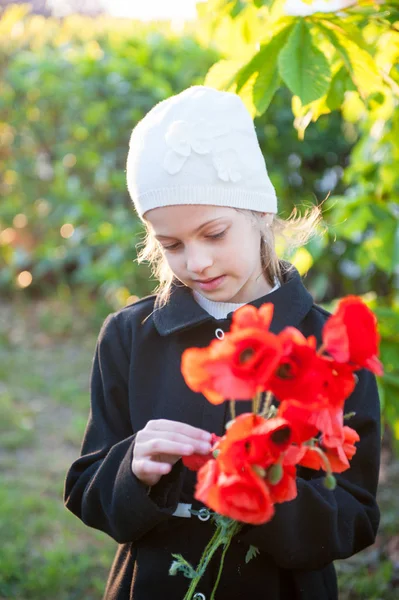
(195, 230)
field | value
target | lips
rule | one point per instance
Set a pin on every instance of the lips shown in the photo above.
(207, 280)
(210, 284)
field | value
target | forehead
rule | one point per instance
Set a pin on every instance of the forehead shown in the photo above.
(185, 219)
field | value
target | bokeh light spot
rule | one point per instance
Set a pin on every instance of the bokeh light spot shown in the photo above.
(20, 221)
(7, 236)
(24, 279)
(67, 230)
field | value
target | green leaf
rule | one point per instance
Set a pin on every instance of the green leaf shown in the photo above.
(259, 62)
(340, 83)
(303, 67)
(237, 7)
(359, 63)
(268, 80)
(180, 565)
(253, 551)
(222, 74)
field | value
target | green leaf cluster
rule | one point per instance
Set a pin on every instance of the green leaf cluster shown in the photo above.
(318, 57)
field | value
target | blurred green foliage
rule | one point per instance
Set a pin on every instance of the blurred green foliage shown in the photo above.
(67, 107)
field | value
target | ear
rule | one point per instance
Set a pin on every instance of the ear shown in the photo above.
(267, 218)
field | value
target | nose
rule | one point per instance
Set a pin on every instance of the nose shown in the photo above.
(197, 259)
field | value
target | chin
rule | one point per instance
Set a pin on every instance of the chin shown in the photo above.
(223, 296)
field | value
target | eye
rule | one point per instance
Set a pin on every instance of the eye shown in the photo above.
(217, 236)
(172, 246)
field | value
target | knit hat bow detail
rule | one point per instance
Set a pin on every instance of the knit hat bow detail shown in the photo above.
(201, 137)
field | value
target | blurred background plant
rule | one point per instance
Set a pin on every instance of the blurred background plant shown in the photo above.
(323, 90)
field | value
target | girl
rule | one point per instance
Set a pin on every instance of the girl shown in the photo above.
(198, 180)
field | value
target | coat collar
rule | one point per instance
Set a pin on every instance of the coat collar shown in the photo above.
(291, 303)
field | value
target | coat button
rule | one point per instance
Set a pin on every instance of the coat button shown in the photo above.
(204, 514)
(199, 596)
(219, 333)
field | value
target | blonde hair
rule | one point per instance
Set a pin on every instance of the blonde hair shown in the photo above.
(291, 233)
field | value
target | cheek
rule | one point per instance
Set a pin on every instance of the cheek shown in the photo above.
(174, 262)
(247, 255)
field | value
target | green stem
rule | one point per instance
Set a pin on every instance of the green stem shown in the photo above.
(256, 402)
(324, 458)
(233, 532)
(266, 407)
(233, 409)
(207, 554)
(218, 539)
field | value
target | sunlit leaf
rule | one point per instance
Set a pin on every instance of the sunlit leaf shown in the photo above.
(222, 75)
(302, 66)
(358, 62)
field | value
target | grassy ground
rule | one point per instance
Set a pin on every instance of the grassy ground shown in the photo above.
(46, 350)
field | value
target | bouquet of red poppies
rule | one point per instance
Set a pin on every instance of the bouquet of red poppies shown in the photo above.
(298, 392)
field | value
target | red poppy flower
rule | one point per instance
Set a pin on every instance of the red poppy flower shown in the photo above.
(285, 489)
(253, 440)
(339, 450)
(244, 497)
(297, 369)
(350, 335)
(195, 372)
(311, 459)
(195, 461)
(299, 420)
(206, 489)
(238, 366)
(304, 376)
(307, 423)
(338, 382)
(250, 317)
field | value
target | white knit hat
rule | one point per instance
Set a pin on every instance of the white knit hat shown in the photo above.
(198, 147)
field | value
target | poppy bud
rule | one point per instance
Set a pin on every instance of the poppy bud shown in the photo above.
(259, 471)
(275, 473)
(330, 481)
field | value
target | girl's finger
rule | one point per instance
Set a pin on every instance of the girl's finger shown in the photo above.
(162, 446)
(198, 445)
(177, 427)
(144, 466)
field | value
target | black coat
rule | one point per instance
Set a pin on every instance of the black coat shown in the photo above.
(136, 377)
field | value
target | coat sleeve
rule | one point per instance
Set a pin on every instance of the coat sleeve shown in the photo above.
(319, 525)
(100, 487)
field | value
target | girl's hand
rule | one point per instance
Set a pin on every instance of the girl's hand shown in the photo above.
(161, 444)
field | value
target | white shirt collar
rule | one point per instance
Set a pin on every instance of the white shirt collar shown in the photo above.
(220, 310)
